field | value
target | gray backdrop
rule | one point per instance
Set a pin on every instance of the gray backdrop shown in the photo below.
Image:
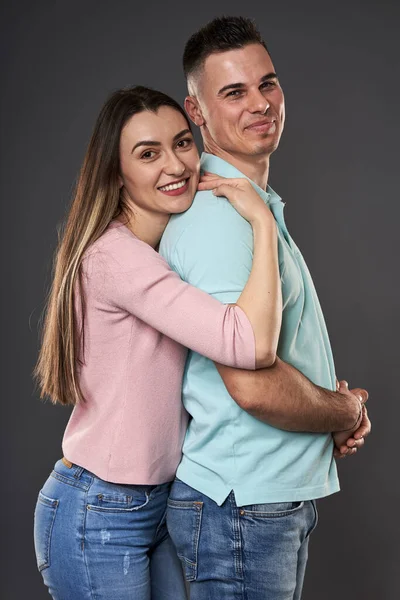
(337, 170)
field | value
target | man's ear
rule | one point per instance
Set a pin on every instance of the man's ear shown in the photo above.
(194, 111)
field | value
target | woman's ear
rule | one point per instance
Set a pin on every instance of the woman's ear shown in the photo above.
(120, 182)
(194, 111)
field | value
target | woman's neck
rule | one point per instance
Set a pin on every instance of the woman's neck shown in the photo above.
(146, 226)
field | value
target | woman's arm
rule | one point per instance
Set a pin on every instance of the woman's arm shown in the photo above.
(125, 275)
(129, 274)
(261, 298)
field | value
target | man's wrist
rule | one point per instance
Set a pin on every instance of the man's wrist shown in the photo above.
(357, 421)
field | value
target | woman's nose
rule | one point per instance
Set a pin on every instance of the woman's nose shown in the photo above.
(174, 166)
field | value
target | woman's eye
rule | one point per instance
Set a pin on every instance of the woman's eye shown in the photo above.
(184, 143)
(148, 154)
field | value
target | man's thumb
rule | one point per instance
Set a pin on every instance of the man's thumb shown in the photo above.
(361, 394)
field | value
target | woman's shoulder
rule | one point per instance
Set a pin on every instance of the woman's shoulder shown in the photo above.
(118, 246)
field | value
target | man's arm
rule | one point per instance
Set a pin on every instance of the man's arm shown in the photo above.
(283, 397)
(202, 246)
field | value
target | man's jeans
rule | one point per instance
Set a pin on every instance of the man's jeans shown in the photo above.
(101, 540)
(256, 552)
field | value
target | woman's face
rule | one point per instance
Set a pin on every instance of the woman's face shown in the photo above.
(159, 162)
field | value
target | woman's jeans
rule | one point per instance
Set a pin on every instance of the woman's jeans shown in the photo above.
(103, 541)
(231, 552)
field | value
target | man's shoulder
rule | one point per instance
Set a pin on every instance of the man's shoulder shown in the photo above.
(204, 204)
(207, 213)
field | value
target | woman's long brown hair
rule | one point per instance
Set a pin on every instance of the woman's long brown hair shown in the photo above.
(96, 202)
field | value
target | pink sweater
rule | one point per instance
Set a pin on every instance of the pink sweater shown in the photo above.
(140, 317)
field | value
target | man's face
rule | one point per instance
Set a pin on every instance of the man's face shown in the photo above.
(241, 104)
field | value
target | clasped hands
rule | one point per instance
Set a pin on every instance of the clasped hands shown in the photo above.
(348, 442)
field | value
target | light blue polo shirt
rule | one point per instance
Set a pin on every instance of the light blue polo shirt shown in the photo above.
(225, 448)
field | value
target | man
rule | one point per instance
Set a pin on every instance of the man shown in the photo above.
(256, 458)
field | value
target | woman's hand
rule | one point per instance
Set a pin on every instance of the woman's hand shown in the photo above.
(240, 194)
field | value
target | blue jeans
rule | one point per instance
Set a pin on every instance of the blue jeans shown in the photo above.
(102, 541)
(256, 552)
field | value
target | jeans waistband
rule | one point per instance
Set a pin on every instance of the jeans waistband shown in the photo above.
(81, 477)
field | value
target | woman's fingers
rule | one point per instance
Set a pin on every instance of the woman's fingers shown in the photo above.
(241, 194)
(209, 184)
(209, 174)
(224, 190)
(213, 182)
(234, 182)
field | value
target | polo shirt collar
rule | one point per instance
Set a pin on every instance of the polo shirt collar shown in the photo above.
(218, 165)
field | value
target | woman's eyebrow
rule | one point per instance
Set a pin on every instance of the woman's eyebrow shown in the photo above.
(181, 133)
(146, 143)
(155, 143)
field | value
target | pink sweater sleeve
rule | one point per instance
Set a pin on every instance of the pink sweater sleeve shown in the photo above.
(128, 274)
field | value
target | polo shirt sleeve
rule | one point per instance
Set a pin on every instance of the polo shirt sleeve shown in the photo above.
(211, 247)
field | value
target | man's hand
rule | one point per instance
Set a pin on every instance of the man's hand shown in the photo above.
(348, 442)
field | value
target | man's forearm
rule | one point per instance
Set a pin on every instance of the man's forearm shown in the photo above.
(283, 397)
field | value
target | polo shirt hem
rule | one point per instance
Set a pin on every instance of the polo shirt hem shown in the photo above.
(260, 494)
(265, 495)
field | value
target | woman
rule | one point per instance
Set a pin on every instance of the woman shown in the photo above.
(117, 324)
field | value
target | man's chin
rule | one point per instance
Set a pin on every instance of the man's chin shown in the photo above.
(266, 147)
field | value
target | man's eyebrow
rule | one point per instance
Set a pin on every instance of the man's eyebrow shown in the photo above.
(268, 77)
(155, 143)
(238, 86)
(230, 86)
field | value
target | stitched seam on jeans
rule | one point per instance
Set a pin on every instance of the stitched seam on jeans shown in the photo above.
(198, 506)
(315, 522)
(83, 545)
(71, 482)
(53, 507)
(109, 510)
(162, 522)
(272, 515)
(237, 538)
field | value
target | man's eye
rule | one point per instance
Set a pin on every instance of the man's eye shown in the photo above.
(267, 84)
(148, 154)
(234, 93)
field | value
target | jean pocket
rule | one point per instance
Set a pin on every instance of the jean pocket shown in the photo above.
(184, 523)
(272, 510)
(45, 513)
(119, 502)
(315, 520)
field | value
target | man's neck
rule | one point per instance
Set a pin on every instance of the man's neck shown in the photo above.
(255, 168)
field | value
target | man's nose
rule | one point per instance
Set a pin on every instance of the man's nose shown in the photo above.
(257, 102)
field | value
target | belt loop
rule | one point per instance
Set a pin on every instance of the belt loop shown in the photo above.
(78, 472)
